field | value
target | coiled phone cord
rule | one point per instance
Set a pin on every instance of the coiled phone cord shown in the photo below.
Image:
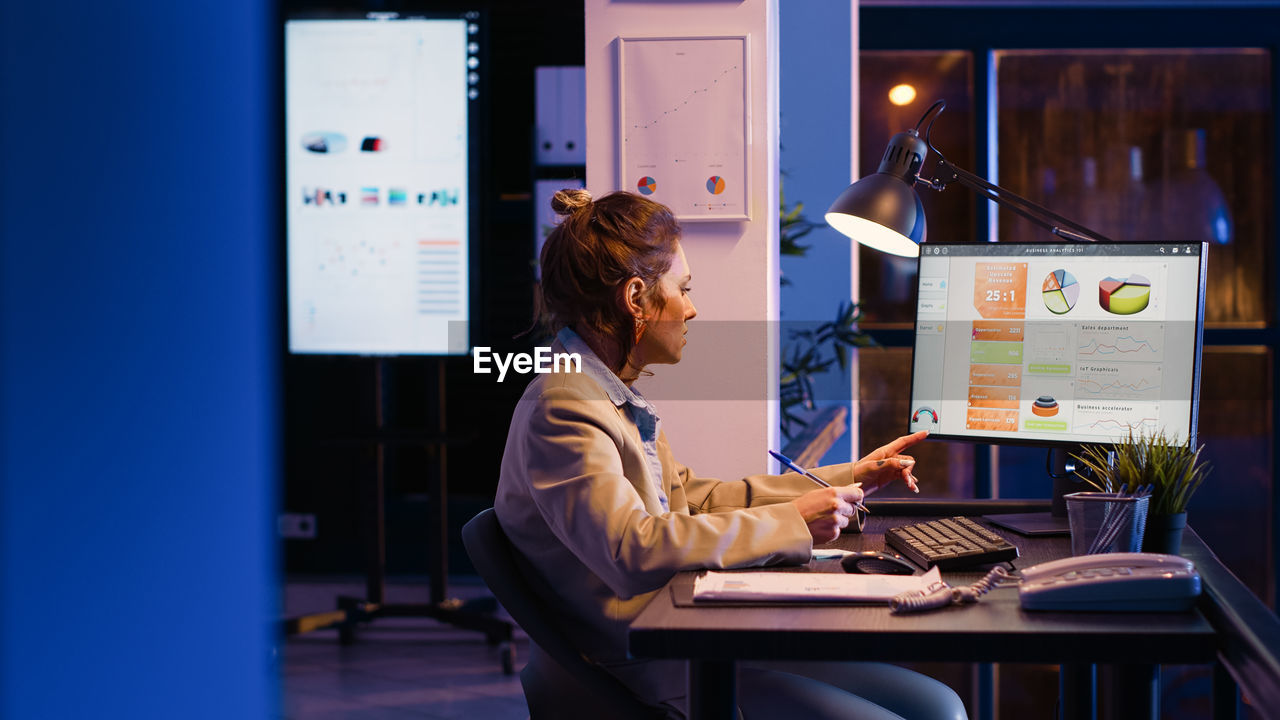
(946, 595)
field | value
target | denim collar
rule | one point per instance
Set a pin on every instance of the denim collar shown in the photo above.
(645, 417)
(594, 368)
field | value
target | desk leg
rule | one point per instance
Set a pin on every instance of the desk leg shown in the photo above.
(1078, 692)
(713, 690)
(1137, 691)
(984, 691)
(1226, 694)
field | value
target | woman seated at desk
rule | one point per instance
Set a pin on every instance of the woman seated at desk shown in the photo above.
(605, 516)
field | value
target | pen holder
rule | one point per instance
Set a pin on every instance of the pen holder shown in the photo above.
(1106, 522)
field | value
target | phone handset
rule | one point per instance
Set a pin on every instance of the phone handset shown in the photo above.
(1105, 560)
(1134, 582)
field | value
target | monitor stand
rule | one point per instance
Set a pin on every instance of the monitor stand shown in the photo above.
(1053, 522)
(1031, 523)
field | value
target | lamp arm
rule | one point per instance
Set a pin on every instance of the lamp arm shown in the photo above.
(1034, 212)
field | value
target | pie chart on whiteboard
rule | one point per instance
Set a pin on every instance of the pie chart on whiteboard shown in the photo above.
(647, 185)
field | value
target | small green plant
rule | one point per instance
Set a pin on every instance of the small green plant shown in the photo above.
(793, 225)
(1173, 470)
(812, 352)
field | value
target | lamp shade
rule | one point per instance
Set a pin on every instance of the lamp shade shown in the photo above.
(882, 210)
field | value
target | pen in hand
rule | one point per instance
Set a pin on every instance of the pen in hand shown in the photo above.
(787, 462)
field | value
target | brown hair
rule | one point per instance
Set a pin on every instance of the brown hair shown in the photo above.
(595, 249)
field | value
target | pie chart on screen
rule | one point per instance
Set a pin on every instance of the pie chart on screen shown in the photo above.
(715, 184)
(1060, 292)
(647, 185)
(1124, 296)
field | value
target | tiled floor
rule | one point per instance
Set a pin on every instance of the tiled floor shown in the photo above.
(398, 668)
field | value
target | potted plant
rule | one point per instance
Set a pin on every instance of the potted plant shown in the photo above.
(1172, 470)
(810, 351)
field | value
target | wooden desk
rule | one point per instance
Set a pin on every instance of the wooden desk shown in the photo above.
(994, 630)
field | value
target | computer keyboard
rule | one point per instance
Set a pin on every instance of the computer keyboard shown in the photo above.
(949, 543)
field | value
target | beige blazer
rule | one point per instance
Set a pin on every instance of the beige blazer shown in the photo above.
(575, 498)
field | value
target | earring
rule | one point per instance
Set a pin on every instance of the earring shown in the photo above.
(640, 326)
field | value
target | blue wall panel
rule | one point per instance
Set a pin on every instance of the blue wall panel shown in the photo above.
(138, 360)
(816, 82)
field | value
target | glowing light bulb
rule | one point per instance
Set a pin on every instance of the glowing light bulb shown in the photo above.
(902, 94)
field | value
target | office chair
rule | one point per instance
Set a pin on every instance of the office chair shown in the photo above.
(558, 681)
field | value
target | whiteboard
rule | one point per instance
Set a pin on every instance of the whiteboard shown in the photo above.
(685, 124)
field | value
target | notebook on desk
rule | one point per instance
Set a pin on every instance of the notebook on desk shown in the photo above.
(793, 588)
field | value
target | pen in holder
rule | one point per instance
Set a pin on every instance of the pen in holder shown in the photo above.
(1106, 522)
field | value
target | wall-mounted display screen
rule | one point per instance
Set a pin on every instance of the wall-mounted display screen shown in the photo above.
(378, 184)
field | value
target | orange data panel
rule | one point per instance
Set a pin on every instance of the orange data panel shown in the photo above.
(1005, 375)
(988, 419)
(1002, 398)
(1000, 290)
(997, 330)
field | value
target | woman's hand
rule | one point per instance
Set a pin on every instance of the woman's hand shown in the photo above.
(887, 464)
(827, 510)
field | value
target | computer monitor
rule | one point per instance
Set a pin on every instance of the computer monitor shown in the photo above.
(380, 171)
(1058, 344)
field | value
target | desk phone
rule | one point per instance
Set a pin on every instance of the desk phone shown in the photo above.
(1127, 582)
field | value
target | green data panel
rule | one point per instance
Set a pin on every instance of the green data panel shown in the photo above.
(1006, 353)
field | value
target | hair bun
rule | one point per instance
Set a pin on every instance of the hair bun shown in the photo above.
(570, 200)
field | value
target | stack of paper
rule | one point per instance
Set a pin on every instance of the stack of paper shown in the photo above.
(809, 587)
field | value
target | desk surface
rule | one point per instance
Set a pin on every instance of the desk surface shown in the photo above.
(994, 630)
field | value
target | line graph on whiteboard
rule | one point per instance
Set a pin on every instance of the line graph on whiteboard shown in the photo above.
(684, 124)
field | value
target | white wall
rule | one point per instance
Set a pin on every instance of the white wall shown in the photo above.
(718, 405)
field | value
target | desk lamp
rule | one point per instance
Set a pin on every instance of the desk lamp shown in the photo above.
(884, 212)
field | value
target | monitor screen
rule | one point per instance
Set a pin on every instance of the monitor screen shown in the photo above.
(378, 176)
(1050, 343)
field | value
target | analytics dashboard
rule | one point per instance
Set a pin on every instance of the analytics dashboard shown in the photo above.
(1071, 342)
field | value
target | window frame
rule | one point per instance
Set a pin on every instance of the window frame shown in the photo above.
(983, 29)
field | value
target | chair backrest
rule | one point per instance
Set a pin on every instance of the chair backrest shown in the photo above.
(497, 562)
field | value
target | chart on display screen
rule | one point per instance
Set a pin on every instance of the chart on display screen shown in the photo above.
(378, 184)
(684, 124)
(1106, 344)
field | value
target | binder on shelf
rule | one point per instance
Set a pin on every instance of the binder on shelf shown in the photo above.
(561, 115)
